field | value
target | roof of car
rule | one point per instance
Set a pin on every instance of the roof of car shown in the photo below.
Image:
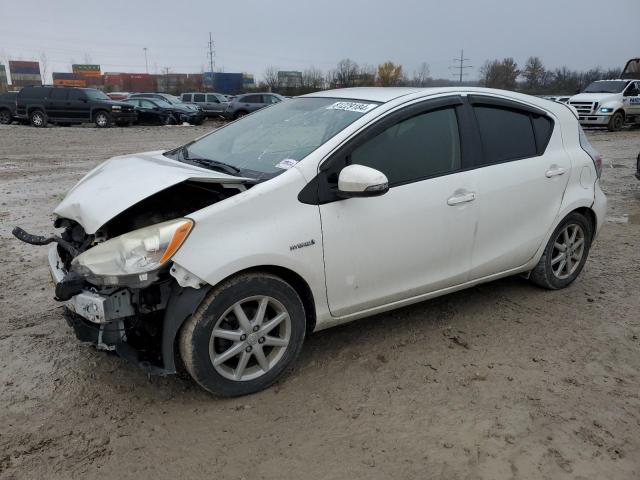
(373, 94)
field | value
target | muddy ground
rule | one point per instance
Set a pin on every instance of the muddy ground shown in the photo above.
(501, 381)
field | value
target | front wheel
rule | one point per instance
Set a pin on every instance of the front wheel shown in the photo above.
(38, 119)
(565, 253)
(5, 116)
(616, 122)
(103, 120)
(244, 336)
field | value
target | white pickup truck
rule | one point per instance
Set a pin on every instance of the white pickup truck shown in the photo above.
(608, 103)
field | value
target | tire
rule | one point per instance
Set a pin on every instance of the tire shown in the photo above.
(550, 272)
(5, 116)
(38, 119)
(215, 327)
(102, 119)
(240, 114)
(616, 122)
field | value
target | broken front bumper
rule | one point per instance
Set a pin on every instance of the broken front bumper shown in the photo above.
(92, 306)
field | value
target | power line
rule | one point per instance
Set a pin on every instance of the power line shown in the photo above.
(460, 66)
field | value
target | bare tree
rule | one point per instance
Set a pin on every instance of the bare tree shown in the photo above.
(312, 79)
(534, 74)
(500, 74)
(421, 76)
(345, 75)
(389, 74)
(270, 77)
(366, 75)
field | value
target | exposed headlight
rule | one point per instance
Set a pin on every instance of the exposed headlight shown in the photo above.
(137, 252)
(116, 108)
(606, 110)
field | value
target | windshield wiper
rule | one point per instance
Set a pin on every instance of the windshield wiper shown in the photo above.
(212, 164)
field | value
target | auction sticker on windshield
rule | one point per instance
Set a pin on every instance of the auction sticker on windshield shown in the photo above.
(352, 106)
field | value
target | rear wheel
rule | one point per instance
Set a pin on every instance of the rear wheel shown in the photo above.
(616, 122)
(565, 254)
(239, 114)
(5, 116)
(244, 336)
(103, 119)
(38, 119)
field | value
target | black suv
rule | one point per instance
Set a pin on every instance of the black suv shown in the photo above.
(7, 107)
(66, 105)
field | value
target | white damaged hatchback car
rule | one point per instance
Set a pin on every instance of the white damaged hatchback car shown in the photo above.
(222, 255)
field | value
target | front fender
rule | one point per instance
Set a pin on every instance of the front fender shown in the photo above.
(180, 306)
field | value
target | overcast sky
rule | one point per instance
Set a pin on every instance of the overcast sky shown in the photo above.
(293, 34)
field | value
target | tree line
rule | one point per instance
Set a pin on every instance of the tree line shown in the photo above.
(533, 78)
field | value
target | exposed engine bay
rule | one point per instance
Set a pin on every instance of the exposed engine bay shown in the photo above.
(125, 316)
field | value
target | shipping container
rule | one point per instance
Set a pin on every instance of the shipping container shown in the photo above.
(86, 70)
(227, 83)
(22, 67)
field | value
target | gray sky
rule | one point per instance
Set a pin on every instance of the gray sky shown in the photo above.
(294, 34)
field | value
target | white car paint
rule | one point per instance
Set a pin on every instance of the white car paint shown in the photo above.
(368, 255)
(122, 181)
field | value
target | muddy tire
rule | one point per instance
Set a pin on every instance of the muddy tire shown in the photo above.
(616, 122)
(38, 119)
(565, 253)
(5, 116)
(102, 119)
(246, 335)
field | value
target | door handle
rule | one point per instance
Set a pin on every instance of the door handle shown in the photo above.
(554, 171)
(461, 197)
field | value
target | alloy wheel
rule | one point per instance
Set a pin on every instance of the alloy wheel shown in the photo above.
(568, 250)
(37, 119)
(250, 338)
(101, 120)
(5, 117)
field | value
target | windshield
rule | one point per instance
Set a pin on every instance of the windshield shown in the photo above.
(275, 138)
(607, 86)
(94, 94)
(171, 99)
(162, 103)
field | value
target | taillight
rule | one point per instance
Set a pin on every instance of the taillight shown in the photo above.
(592, 152)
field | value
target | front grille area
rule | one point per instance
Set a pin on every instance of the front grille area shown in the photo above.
(585, 108)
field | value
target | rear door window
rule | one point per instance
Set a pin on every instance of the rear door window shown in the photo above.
(186, 97)
(76, 94)
(506, 134)
(58, 94)
(198, 97)
(252, 99)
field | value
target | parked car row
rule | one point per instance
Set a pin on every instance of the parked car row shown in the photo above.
(41, 105)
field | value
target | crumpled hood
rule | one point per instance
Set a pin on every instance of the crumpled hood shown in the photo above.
(123, 181)
(595, 97)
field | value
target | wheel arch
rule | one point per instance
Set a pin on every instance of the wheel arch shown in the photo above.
(183, 302)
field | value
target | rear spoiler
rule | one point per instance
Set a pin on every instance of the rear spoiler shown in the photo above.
(631, 69)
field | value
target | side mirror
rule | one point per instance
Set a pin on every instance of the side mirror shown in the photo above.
(361, 181)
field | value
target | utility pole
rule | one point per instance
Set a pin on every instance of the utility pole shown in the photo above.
(211, 55)
(146, 62)
(460, 66)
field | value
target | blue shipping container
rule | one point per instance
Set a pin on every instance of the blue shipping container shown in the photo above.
(228, 83)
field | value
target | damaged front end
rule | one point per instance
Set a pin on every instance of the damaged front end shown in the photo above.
(119, 286)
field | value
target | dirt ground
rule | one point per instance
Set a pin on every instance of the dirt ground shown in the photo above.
(502, 381)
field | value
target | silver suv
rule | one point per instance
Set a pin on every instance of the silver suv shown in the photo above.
(212, 104)
(250, 102)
